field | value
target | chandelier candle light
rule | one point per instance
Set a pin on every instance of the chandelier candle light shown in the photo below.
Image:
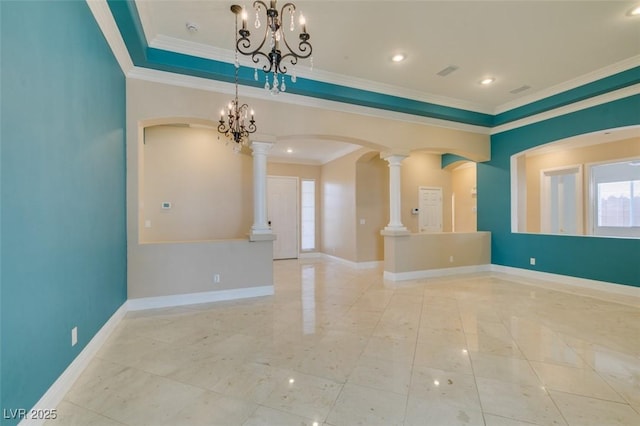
(279, 53)
(235, 127)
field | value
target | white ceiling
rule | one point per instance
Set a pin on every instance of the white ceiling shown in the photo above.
(541, 44)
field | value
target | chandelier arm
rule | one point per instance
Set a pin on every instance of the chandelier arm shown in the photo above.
(304, 49)
(293, 58)
(282, 66)
(243, 44)
(289, 5)
(260, 3)
(256, 58)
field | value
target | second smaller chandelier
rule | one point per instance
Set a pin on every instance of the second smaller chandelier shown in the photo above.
(233, 122)
(278, 54)
(234, 125)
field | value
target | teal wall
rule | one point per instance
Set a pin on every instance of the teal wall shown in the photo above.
(606, 259)
(63, 236)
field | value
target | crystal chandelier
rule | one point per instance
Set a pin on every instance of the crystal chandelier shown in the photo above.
(235, 126)
(278, 54)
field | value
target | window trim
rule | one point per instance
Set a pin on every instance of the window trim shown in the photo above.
(592, 205)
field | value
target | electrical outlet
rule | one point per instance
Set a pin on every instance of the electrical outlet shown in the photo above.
(532, 261)
(74, 336)
(450, 259)
(147, 223)
(216, 278)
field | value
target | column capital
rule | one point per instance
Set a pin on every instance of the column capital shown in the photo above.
(260, 147)
(393, 159)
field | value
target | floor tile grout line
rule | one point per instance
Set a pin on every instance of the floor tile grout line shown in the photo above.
(413, 363)
(473, 372)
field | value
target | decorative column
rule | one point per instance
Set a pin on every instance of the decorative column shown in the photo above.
(395, 212)
(260, 229)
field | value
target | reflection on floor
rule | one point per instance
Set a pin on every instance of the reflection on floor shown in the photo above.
(340, 346)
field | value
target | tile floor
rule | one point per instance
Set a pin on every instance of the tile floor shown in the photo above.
(340, 346)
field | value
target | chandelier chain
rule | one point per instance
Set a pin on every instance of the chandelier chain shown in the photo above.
(235, 127)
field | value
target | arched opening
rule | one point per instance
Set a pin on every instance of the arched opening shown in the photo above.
(193, 187)
(586, 185)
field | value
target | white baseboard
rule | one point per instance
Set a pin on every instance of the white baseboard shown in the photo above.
(578, 283)
(357, 265)
(369, 265)
(432, 273)
(61, 386)
(195, 298)
(310, 255)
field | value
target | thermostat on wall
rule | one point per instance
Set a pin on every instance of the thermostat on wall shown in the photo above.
(166, 205)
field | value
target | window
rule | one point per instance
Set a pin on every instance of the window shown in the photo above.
(616, 199)
(308, 212)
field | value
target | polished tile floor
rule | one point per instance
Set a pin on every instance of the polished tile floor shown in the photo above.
(340, 346)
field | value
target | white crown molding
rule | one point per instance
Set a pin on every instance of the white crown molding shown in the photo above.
(577, 106)
(607, 71)
(288, 98)
(225, 55)
(391, 90)
(104, 18)
(209, 52)
(191, 48)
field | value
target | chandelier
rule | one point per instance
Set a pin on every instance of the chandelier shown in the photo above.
(277, 54)
(234, 126)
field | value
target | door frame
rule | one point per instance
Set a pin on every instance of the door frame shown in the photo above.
(545, 192)
(420, 212)
(297, 205)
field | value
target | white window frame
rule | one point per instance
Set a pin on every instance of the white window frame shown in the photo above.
(545, 208)
(302, 216)
(592, 206)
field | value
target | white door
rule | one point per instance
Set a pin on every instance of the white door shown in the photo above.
(430, 209)
(282, 213)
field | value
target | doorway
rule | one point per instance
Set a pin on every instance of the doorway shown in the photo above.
(282, 213)
(429, 209)
(561, 200)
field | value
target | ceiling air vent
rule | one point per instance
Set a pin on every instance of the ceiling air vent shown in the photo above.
(448, 70)
(520, 89)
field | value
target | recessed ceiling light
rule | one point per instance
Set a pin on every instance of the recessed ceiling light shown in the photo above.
(635, 11)
(289, 150)
(399, 57)
(486, 81)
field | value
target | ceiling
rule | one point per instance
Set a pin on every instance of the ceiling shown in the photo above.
(542, 45)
